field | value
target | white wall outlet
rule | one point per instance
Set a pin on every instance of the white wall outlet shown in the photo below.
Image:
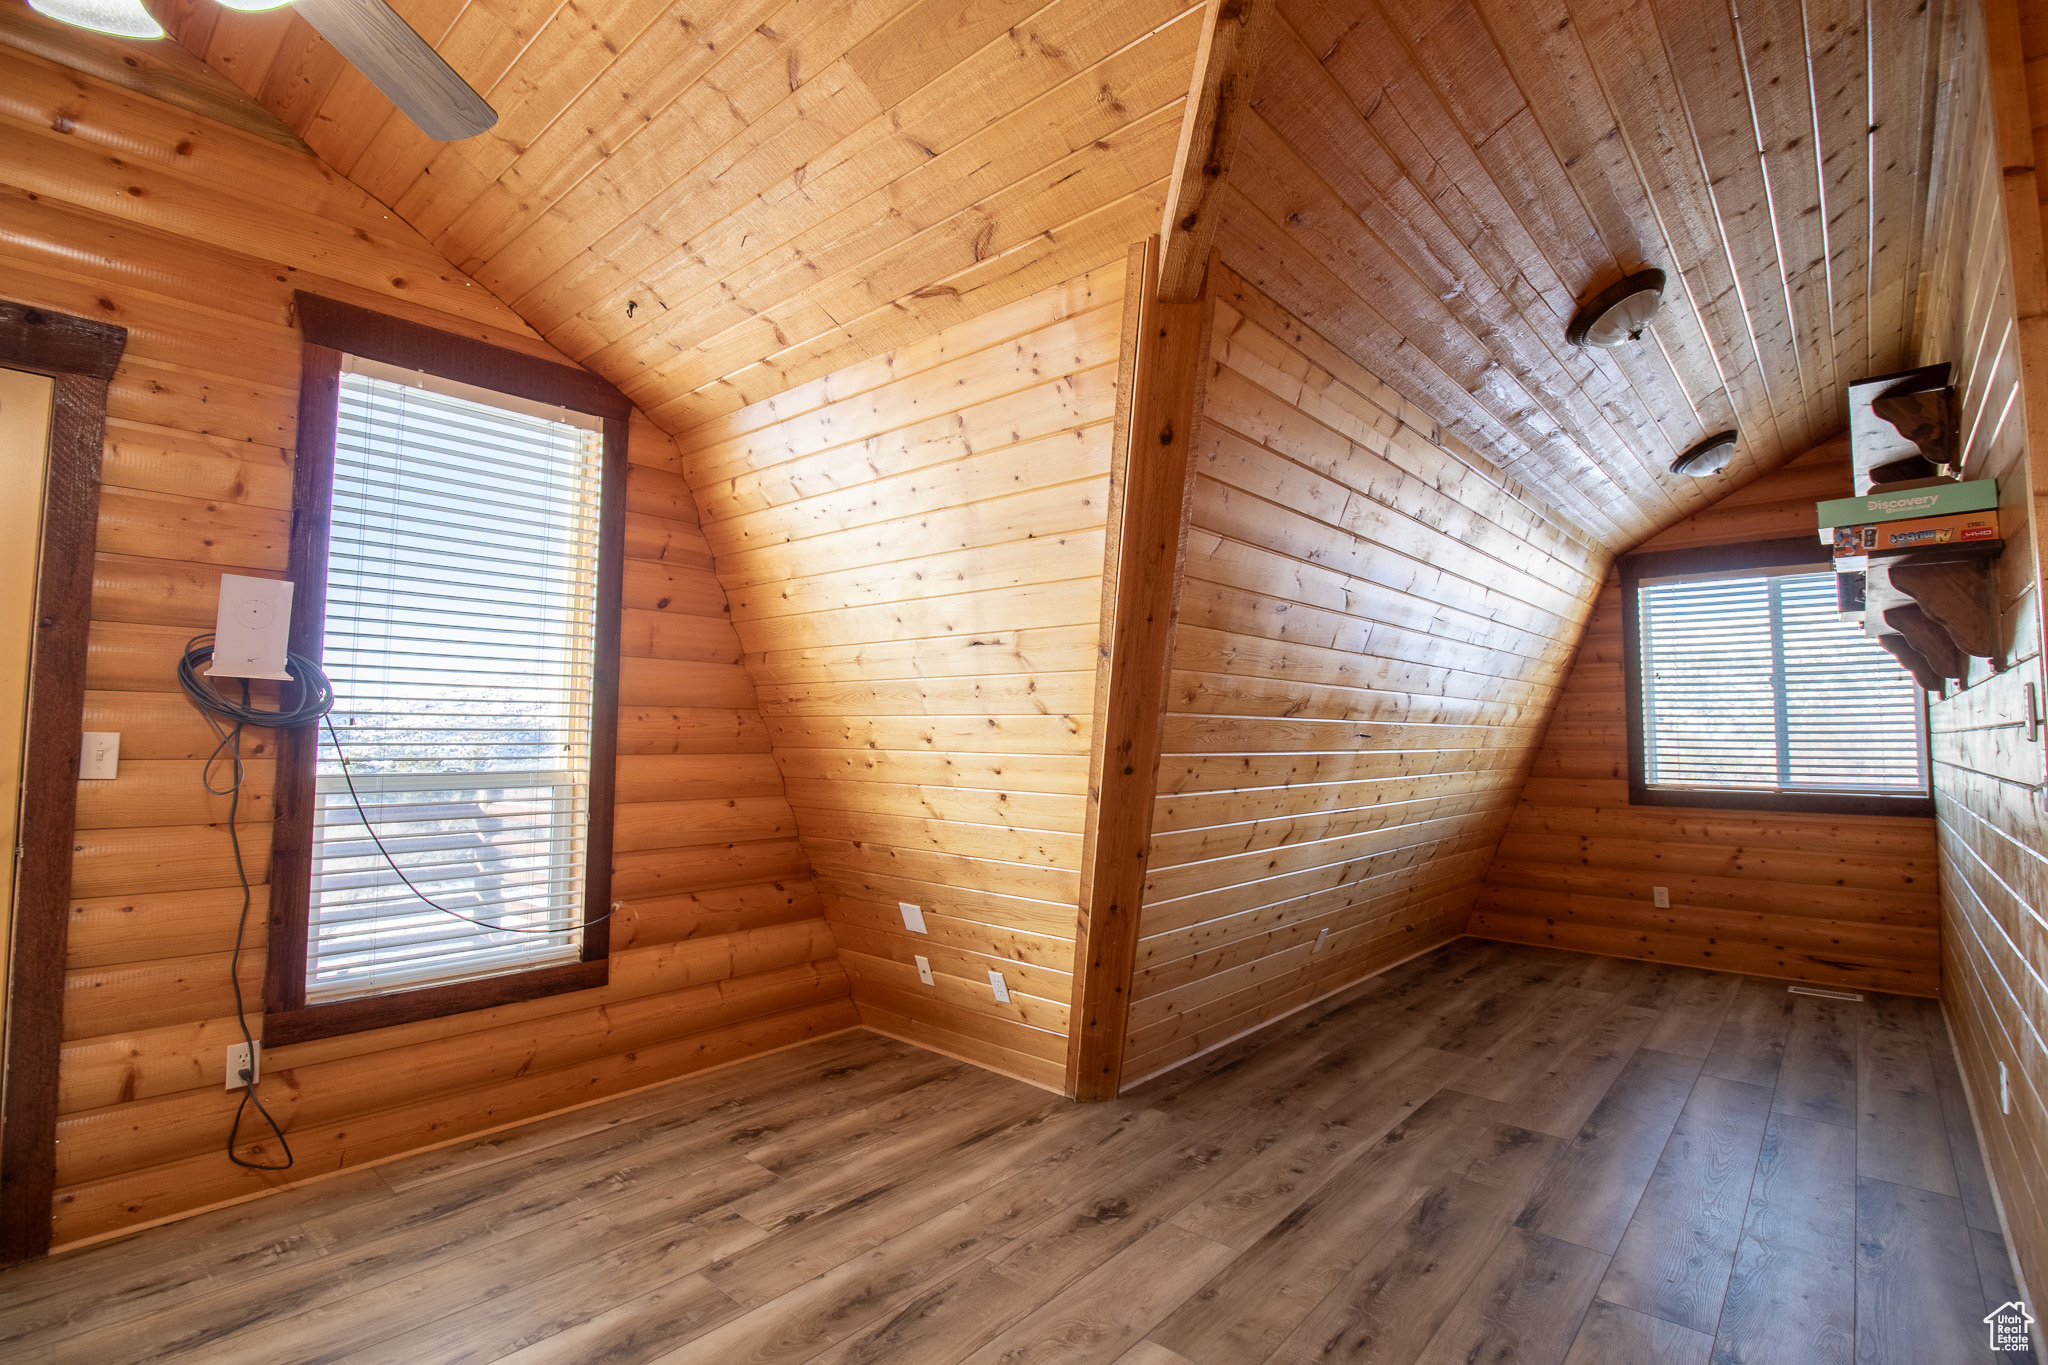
(100, 759)
(924, 969)
(1322, 942)
(999, 986)
(2004, 1090)
(913, 918)
(240, 1059)
(1660, 896)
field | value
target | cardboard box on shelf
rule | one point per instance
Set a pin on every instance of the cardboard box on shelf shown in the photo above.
(1920, 533)
(1918, 501)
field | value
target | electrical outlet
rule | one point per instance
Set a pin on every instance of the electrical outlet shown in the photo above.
(999, 986)
(913, 918)
(924, 969)
(1660, 896)
(100, 759)
(240, 1060)
(1322, 941)
(2004, 1090)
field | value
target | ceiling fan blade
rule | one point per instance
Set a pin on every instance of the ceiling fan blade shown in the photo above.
(400, 63)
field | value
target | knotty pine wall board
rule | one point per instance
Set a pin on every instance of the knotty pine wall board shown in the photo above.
(1371, 634)
(1986, 297)
(913, 550)
(855, 176)
(1838, 900)
(193, 236)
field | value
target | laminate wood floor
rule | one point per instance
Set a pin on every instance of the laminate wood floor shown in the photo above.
(1493, 1152)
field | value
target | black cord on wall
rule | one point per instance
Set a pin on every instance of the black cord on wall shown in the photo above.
(228, 717)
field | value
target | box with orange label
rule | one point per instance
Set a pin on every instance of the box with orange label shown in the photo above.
(1919, 533)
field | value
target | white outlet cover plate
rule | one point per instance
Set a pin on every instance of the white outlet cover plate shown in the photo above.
(238, 1053)
(250, 632)
(913, 918)
(999, 986)
(1661, 897)
(924, 969)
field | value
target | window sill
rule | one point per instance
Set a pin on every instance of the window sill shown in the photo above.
(1786, 803)
(282, 1028)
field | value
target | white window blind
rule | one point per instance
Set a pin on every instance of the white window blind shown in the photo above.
(1753, 682)
(460, 596)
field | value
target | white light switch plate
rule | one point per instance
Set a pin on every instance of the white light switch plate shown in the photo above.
(1322, 941)
(924, 969)
(100, 759)
(238, 1058)
(1661, 897)
(913, 918)
(999, 986)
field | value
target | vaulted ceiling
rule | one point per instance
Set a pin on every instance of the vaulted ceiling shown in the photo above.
(708, 201)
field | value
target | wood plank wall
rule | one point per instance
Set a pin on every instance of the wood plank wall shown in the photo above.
(1986, 309)
(1840, 900)
(193, 235)
(913, 548)
(1372, 632)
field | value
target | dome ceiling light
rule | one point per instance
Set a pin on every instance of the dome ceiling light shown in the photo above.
(1620, 313)
(123, 18)
(1703, 459)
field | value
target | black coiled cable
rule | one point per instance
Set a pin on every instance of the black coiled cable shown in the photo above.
(227, 717)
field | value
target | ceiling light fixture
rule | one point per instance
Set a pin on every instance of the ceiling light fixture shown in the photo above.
(1619, 313)
(1703, 459)
(372, 36)
(124, 18)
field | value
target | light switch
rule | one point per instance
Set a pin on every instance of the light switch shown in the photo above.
(100, 759)
(1322, 941)
(924, 969)
(999, 986)
(913, 918)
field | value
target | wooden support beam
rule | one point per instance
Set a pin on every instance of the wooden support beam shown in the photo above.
(1233, 33)
(1158, 397)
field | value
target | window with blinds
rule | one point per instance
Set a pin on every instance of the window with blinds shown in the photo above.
(1753, 682)
(452, 792)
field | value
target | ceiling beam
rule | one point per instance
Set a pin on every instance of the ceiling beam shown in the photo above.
(1225, 62)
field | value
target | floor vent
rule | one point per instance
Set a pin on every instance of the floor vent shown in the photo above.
(1825, 995)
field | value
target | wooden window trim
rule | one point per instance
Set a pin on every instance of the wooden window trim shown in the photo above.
(1755, 554)
(80, 355)
(333, 330)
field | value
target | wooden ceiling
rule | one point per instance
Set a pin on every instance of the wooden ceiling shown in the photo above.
(710, 200)
(1435, 183)
(707, 201)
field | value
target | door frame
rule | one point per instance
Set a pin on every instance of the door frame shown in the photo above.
(80, 354)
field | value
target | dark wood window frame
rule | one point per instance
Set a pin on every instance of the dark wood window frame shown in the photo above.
(333, 330)
(1756, 554)
(80, 355)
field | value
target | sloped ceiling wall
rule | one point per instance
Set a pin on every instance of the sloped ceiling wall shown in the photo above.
(708, 202)
(715, 205)
(1431, 184)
